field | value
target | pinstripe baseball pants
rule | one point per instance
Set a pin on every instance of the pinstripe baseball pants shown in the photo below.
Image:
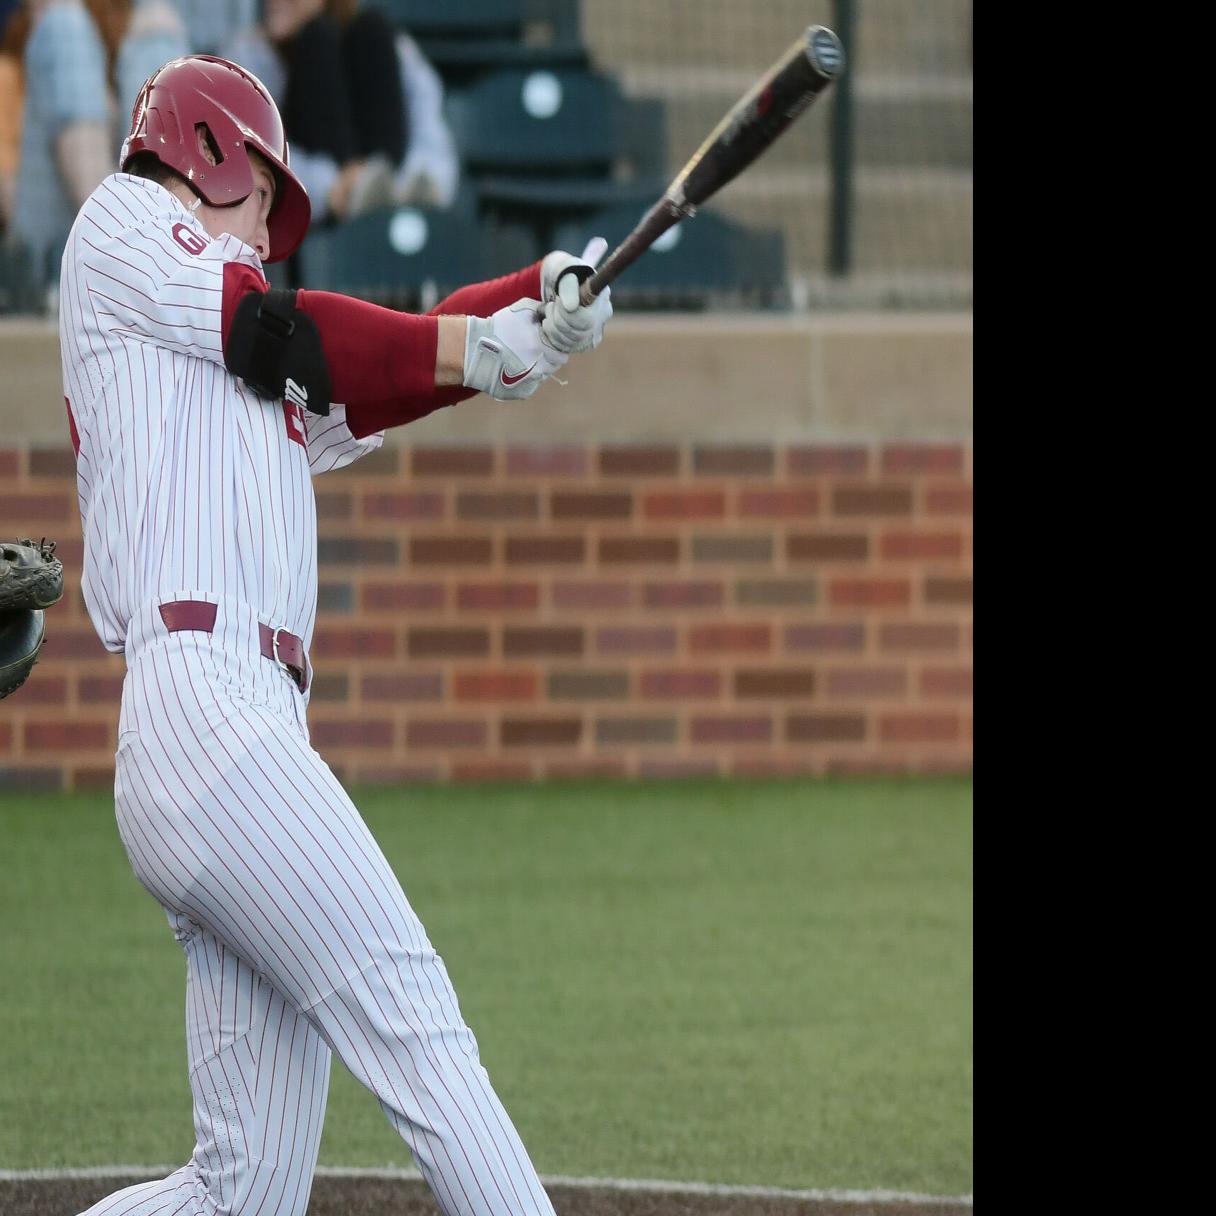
(299, 942)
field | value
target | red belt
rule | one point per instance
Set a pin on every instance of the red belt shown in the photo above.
(284, 648)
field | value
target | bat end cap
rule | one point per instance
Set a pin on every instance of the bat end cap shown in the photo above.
(825, 51)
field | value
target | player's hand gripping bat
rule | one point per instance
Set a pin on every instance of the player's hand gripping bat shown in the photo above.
(754, 122)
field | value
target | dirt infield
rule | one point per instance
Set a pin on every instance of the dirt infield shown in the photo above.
(382, 1197)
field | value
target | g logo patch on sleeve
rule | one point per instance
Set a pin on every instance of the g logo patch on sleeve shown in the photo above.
(191, 242)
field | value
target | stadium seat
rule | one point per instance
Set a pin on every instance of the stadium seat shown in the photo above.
(467, 18)
(705, 260)
(410, 257)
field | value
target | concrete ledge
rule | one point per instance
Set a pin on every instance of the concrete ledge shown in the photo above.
(730, 377)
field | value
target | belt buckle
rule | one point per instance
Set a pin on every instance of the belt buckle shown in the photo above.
(274, 648)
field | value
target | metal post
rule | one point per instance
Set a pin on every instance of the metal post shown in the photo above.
(840, 213)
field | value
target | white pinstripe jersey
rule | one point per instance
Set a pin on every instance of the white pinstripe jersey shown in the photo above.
(190, 484)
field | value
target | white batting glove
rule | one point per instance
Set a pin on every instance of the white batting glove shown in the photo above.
(506, 355)
(569, 325)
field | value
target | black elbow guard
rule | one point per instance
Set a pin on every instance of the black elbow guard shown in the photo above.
(276, 349)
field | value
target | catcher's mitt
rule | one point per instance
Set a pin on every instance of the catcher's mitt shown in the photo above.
(31, 580)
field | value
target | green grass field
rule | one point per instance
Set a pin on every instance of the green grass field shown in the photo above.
(755, 983)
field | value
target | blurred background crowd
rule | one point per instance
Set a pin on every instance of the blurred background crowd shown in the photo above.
(441, 143)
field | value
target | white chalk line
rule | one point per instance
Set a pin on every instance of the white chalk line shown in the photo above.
(395, 1173)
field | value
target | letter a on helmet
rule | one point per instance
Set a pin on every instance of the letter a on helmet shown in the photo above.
(237, 113)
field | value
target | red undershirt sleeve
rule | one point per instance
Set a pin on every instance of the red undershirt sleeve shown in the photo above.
(382, 362)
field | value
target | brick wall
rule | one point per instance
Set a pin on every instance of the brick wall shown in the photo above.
(547, 611)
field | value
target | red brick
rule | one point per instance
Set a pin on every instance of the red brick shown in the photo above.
(635, 730)
(334, 505)
(719, 639)
(774, 682)
(733, 461)
(104, 689)
(814, 460)
(635, 639)
(779, 504)
(948, 591)
(776, 593)
(396, 774)
(402, 686)
(682, 595)
(540, 732)
(498, 505)
(492, 770)
(685, 504)
(922, 458)
(882, 499)
(579, 504)
(359, 550)
(673, 684)
(558, 461)
(10, 462)
(19, 511)
(915, 636)
(870, 593)
(451, 550)
(828, 636)
(42, 689)
(351, 732)
(733, 729)
(72, 643)
(100, 777)
(65, 736)
(403, 597)
(732, 549)
(676, 769)
(446, 732)
(30, 778)
(403, 505)
(525, 643)
(588, 685)
(867, 682)
(592, 595)
(946, 682)
(948, 500)
(332, 687)
(662, 550)
(452, 462)
(496, 685)
(335, 597)
(546, 550)
(927, 546)
(384, 462)
(827, 547)
(773, 766)
(354, 644)
(639, 462)
(498, 597)
(6, 737)
(577, 770)
(448, 643)
(825, 728)
(868, 766)
(918, 728)
(52, 462)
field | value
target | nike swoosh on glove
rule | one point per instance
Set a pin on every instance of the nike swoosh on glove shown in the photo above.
(506, 355)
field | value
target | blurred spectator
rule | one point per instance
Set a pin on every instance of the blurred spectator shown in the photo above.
(83, 62)
(343, 155)
(11, 103)
(430, 172)
(212, 24)
(339, 78)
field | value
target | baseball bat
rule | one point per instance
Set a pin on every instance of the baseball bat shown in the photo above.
(750, 126)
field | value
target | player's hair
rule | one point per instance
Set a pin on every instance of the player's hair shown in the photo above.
(147, 164)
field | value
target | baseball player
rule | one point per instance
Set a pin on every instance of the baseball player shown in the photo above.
(200, 403)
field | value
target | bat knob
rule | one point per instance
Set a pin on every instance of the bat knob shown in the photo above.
(825, 51)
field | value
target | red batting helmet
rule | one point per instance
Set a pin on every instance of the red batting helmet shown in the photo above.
(238, 113)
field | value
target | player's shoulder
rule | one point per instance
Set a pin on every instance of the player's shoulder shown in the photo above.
(140, 215)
